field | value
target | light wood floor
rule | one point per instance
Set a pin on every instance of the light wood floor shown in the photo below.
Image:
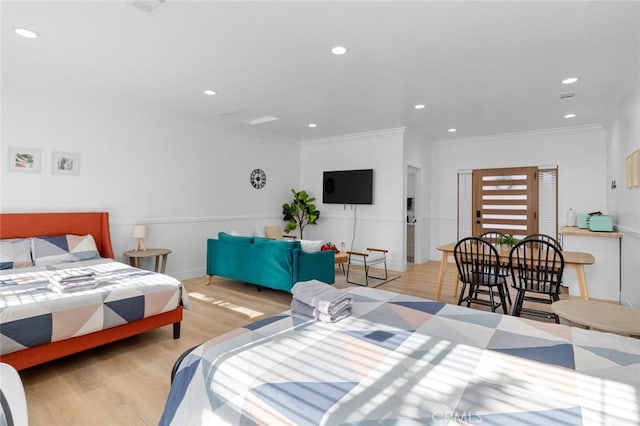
(127, 382)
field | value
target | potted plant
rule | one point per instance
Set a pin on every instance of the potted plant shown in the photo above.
(506, 240)
(300, 212)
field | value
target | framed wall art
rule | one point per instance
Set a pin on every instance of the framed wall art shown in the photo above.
(65, 163)
(24, 160)
(633, 169)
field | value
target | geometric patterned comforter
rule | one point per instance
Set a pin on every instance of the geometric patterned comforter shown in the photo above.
(400, 359)
(31, 314)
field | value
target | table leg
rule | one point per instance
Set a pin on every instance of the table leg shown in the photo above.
(443, 268)
(582, 281)
(157, 264)
(164, 263)
(134, 261)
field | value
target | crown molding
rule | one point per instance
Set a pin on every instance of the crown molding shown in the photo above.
(341, 138)
(499, 136)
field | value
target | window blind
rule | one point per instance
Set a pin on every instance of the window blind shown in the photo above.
(548, 201)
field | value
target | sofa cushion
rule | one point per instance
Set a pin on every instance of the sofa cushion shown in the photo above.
(311, 246)
(223, 236)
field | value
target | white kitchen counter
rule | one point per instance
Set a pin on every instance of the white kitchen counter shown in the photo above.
(603, 277)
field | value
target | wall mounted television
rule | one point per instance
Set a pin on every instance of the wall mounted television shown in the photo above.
(347, 187)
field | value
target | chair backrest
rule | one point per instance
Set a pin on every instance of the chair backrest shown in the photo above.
(491, 236)
(13, 402)
(477, 261)
(274, 232)
(536, 265)
(544, 237)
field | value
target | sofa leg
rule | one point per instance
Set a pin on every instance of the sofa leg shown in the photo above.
(209, 279)
(176, 330)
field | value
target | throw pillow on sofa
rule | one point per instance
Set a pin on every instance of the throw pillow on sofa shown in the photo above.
(311, 246)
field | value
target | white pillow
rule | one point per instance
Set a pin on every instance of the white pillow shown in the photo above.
(311, 246)
(15, 253)
(63, 248)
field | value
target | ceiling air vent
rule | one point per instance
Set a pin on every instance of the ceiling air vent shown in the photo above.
(249, 117)
(148, 5)
(567, 95)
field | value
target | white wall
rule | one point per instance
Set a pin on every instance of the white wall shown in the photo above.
(623, 202)
(578, 152)
(378, 225)
(187, 179)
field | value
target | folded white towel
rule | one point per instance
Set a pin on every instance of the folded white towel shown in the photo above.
(73, 287)
(331, 301)
(72, 276)
(302, 308)
(335, 317)
(306, 291)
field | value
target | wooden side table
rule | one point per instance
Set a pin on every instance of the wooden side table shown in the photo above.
(340, 259)
(135, 256)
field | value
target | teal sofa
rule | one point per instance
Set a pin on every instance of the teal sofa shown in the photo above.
(267, 263)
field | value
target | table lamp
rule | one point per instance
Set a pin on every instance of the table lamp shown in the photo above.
(139, 232)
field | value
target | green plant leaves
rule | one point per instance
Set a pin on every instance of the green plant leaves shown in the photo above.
(300, 211)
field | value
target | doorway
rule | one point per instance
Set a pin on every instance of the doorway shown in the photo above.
(505, 200)
(412, 227)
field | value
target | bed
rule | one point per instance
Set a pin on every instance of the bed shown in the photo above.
(400, 359)
(38, 325)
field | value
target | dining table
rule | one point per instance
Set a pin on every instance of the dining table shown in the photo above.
(572, 259)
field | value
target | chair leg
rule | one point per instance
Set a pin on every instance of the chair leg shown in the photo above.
(366, 274)
(502, 299)
(386, 276)
(555, 298)
(461, 296)
(492, 302)
(472, 289)
(506, 290)
(517, 304)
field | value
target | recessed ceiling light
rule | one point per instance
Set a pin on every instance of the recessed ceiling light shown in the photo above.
(419, 106)
(452, 130)
(569, 116)
(569, 80)
(339, 50)
(210, 92)
(313, 125)
(25, 33)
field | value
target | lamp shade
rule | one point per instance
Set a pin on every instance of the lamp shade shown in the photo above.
(139, 231)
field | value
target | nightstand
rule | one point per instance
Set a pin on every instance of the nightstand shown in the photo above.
(135, 256)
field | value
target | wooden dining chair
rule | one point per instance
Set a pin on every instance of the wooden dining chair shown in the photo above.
(536, 272)
(492, 237)
(544, 237)
(479, 268)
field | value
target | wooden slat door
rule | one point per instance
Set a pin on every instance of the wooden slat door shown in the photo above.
(505, 200)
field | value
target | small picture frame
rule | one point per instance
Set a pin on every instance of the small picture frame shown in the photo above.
(26, 160)
(65, 163)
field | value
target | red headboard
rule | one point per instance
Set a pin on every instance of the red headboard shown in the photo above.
(22, 225)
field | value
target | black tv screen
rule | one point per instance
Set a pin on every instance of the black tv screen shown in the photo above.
(348, 187)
